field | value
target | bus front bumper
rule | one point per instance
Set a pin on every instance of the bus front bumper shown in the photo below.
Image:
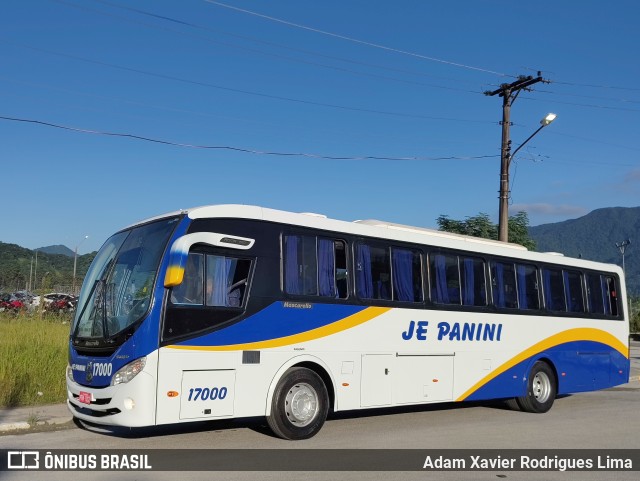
(129, 404)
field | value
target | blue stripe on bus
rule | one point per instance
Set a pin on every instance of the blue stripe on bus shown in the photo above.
(276, 321)
(579, 365)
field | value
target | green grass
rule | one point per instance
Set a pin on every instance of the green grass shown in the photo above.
(33, 359)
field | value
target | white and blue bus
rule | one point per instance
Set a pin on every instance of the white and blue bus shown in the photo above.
(236, 311)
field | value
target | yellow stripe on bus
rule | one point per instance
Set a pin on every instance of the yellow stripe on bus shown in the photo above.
(324, 331)
(571, 335)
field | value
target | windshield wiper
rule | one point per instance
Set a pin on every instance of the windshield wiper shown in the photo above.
(97, 299)
(103, 308)
(86, 304)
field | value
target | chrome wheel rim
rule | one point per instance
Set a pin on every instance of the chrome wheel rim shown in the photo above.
(541, 387)
(301, 404)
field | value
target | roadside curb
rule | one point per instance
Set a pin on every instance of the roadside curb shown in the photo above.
(33, 417)
(22, 425)
(14, 426)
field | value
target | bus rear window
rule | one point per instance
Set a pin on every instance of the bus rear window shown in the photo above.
(611, 293)
(602, 295)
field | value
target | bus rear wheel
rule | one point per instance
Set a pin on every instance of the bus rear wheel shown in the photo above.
(300, 405)
(541, 389)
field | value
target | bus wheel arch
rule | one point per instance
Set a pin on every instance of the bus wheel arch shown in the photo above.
(541, 387)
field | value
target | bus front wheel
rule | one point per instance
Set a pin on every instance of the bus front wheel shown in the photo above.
(541, 389)
(300, 405)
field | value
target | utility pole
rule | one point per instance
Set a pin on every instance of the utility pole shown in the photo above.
(35, 272)
(509, 93)
(75, 261)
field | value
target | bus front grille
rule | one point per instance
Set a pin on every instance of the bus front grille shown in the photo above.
(93, 412)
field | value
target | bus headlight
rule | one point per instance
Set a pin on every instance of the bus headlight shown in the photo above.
(128, 372)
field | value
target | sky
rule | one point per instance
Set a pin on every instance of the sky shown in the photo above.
(116, 111)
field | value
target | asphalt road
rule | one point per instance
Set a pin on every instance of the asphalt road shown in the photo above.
(607, 419)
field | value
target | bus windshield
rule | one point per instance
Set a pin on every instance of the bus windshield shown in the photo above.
(118, 288)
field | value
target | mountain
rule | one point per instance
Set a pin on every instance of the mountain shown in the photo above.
(594, 237)
(18, 266)
(57, 249)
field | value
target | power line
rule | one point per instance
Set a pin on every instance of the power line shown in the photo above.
(564, 94)
(591, 106)
(591, 139)
(247, 49)
(251, 39)
(575, 84)
(232, 148)
(240, 91)
(355, 40)
(137, 103)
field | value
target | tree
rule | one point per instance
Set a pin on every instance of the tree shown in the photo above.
(481, 226)
(634, 314)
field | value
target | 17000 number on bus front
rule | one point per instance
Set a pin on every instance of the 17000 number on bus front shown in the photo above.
(206, 394)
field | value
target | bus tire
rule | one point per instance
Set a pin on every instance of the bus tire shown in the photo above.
(299, 406)
(541, 389)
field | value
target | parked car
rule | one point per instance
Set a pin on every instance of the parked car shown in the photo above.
(11, 302)
(57, 302)
(5, 297)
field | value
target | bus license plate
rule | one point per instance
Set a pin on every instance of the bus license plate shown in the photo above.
(84, 397)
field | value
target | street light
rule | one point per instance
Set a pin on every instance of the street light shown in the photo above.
(507, 156)
(75, 261)
(622, 246)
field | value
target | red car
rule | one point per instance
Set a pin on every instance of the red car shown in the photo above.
(56, 302)
(9, 302)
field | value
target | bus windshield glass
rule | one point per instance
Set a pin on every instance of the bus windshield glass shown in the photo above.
(118, 288)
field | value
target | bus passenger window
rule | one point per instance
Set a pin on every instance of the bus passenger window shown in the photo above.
(226, 281)
(301, 267)
(611, 302)
(553, 288)
(373, 271)
(573, 291)
(595, 294)
(315, 266)
(190, 290)
(528, 291)
(341, 269)
(474, 288)
(407, 275)
(503, 280)
(445, 279)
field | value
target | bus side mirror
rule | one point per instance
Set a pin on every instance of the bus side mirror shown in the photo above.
(180, 251)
